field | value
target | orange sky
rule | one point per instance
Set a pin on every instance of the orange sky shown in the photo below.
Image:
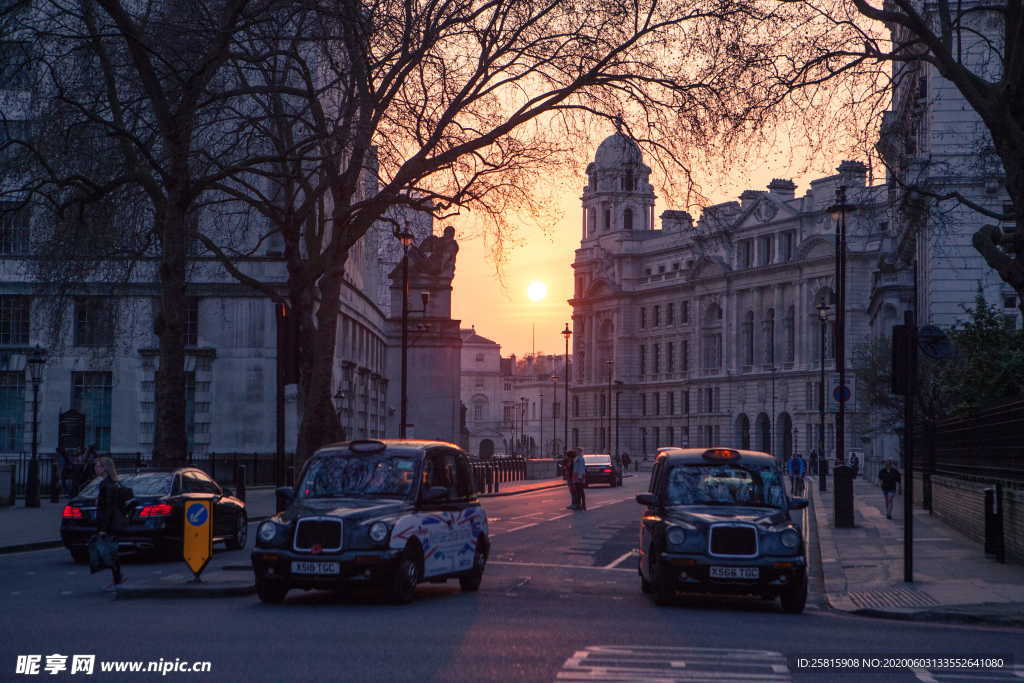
(507, 316)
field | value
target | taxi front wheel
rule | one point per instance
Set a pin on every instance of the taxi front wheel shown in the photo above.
(471, 582)
(664, 587)
(272, 592)
(794, 598)
(404, 579)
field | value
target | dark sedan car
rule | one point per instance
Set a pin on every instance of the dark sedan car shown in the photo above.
(717, 521)
(393, 512)
(154, 519)
(601, 468)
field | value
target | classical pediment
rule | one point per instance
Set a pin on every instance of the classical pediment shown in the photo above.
(765, 210)
(818, 246)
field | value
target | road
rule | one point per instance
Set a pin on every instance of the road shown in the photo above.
(560, 601)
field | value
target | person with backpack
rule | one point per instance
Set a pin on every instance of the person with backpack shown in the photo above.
(110, 517)
(797, 472)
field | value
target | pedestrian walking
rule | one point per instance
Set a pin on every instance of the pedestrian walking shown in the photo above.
(855, 464)
(626, 461)
(110, 518)
(66, 470)
(579, 481)
(567, 474)
(891, 483)
(797, 472)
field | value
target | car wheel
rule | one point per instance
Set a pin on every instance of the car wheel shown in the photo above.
(238, 540)
(471, 582)
(405, 578)
(80, 556)
(271, 592)
(794, 598)
(664, 584)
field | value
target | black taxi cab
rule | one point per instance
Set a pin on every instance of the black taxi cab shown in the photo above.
(390, 512)
(717, 521)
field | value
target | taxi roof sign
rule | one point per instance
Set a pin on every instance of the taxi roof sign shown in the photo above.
(721, 454)
(366, 446)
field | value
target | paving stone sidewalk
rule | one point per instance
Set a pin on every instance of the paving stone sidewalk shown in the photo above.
(953, 579)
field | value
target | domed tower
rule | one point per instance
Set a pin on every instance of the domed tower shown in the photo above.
(618, 195)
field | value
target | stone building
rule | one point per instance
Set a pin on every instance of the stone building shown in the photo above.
(709, 333)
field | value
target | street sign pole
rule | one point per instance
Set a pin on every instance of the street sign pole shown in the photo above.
(908, 447)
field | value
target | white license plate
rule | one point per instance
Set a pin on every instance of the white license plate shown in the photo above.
(735, 572)
(318, 568)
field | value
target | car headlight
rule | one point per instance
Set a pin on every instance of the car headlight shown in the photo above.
(267, 531)
(790, 538)
(676, 536)
(378, 532)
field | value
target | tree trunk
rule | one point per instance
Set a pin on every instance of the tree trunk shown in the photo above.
(171, 441)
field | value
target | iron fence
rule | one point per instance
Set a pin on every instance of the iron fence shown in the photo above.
(987, 446)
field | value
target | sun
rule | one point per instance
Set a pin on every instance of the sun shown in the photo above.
(537, 290)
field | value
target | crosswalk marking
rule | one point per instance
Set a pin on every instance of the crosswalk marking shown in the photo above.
(671, 664)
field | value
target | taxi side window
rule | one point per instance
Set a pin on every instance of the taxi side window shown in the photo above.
(655, 471)
(440, 471)
(464, 477)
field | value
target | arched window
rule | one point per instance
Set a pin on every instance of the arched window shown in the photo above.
(790, 334)
(591, 221)
(748, 338)
(607, 220)
(627, 219)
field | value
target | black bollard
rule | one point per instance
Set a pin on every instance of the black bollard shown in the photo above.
(54, 483)
(240, 482)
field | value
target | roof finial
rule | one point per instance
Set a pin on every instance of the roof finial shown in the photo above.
(617, 120)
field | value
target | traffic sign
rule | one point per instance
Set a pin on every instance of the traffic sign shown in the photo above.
(198, 535)
(841, 393)
(934, 343)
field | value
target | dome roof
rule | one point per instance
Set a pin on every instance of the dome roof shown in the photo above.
(618, 150)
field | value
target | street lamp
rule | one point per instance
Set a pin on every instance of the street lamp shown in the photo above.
(522, 422)
(565, 430)
(554, 414)
(405, 238)
(838, 213)
(618, 393)
(822, 462)
(540, 442)
(36, 361)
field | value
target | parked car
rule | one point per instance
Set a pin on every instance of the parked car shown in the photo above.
(392, 512)
(155, 513)
(717, 521)
(602, 469)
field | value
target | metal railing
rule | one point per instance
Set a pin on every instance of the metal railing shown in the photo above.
(488, 475)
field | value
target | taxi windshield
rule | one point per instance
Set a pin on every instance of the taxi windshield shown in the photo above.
(364, 474)
(724, 484)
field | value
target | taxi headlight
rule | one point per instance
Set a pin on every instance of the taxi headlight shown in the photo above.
(790, 538)
(267, 531)
(676, 536)
(378, 532)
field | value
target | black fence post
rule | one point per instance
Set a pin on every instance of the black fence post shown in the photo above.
(240, 482)
(54, 483)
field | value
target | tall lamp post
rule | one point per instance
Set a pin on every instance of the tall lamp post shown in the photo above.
(838, 213)
(522, 423)
(822, 461)
(540, 415)
(36, 361)
(618, 394)
(554, 416)
(565, 429)
(406, 238)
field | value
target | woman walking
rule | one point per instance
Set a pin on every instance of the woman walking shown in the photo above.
(109, 518)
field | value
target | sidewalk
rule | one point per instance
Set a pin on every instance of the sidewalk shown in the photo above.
(24, 528)
(953, 579)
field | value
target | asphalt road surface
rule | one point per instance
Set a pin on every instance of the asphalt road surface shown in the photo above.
(560, 601)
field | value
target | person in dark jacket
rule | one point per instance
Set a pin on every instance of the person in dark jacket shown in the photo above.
(890, 482)
(109, 518)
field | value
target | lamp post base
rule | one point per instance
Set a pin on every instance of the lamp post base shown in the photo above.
(32, 484)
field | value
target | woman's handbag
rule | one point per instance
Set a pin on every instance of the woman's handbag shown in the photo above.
(102, 553)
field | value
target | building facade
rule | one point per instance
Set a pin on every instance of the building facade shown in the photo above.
(710, 333)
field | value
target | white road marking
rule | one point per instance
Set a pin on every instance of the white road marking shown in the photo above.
(654, 663)
(559, 566)
(519, 528)
(616, 563)
(924, 676)
(65, 592)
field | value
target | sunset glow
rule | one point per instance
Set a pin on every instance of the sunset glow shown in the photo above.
(536, 290)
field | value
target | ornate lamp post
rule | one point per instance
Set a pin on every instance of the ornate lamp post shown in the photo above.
(823, 310)
(618, 394)
(36, 361)
(565, 430)
(554, 415)
(838, 213)
(608, 406)
(522, 423)
(405, 238)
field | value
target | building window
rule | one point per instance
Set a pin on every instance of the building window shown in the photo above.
(508, 415)
(786, 243)
(556, 410)
(671, 396)
(191, 321)
(713, 351)
(478, 411)
(769, 332)
(670, 357)
(670, 312)
(643, 441)
(14, 223)
(656, 398)
(643, 360)
(508, 386)
(479, 358)
(656, 358)
(685, 395)
(748, 338)
(607, 220)
(684, 313)
(575, 437)
(670, 437)
(575, 406)
(643, 317)
(629, 182)
(745, 254)
(91, 395)
(657, 436)
(684, 355)
(790, 334)
(94, 321)
(12, 411)
(657, 316)
(14, 319)
(765, 245)
(643, 404)
(627, 219)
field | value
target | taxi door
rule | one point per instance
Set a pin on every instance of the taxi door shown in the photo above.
(648, 523)
(442, 520)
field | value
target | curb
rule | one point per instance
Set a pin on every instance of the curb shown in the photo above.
(515, 493)
(24, 547)
(949, 616)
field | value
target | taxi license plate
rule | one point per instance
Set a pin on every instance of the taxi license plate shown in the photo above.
(735, 573)
(317, 568)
